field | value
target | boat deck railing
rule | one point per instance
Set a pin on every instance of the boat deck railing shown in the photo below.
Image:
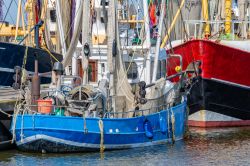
(33, 109)
(239, 29)
(140, 111)
(83, 111)
(153, 105)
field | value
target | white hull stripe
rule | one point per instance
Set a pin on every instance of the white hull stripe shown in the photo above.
(8, 70)
(205, 115)
(230, 83)
(88, 145)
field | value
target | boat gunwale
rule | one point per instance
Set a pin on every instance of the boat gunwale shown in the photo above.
(174, 108)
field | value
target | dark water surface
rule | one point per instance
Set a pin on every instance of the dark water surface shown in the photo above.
(228, 146)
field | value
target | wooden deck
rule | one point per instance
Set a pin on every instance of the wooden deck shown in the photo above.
(8, 98)
(8, 94)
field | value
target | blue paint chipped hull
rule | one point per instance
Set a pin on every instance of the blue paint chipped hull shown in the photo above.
(66, 134)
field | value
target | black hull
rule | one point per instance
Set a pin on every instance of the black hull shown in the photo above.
(43, 146)
(5, 138)
(12, 55)
(220, 97)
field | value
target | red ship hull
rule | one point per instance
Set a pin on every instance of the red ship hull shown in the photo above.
(221, 94)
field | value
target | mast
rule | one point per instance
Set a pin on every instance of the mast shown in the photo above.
(75, 56)
(75, 38)
(228, 15)
(29, 8)
(19, 14)
(46, 27)
(86, 39)
(158, 43)
(111, 68)
(147, 43)
(172, 24)
(60, 26)
(205, 15)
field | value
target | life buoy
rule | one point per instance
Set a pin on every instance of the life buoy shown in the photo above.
(148, 129)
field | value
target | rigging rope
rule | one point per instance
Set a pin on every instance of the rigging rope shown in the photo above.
(168, 124)
(101, 127)
(10, 14)
(9, 115)
(182, 20)
(6, 14)
(18, 103)
(85, 130)
(173, 125)
(23, 79)
(22, 124)
(16, 112)
(47, 50)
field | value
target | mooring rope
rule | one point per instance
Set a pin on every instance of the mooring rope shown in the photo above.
(173, 125)
(9, 115)
(22, 124)
(168, 124)
(48, 51)
(102, 147)
(23, 78)
(16, 112)
(84, 123)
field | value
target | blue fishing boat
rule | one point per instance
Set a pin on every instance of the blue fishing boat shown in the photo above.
(76, 116)
(50, 133)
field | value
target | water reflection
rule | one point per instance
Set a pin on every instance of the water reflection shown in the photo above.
(228, 146)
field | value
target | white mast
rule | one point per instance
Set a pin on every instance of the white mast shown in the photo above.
(158, 43)
(20, 13)
(60, 26)
(75, 56)
(86, 38)
(147, 43)
(75, 38)
(111, 31)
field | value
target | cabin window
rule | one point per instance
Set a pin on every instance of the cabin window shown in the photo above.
(132, 70)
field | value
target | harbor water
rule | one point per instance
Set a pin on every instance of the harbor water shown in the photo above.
(224, 146)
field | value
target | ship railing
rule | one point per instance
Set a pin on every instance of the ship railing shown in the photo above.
(155, 105)
(34, 110)
(140, 112)
(194, 28)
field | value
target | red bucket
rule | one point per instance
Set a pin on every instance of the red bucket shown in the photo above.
(44, 106)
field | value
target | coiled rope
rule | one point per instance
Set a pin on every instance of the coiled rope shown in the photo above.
(102, 147)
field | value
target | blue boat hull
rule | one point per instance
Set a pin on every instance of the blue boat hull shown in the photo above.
(67, 134)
